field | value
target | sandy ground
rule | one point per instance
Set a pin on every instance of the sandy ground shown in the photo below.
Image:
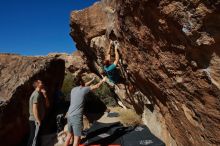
(55, 140)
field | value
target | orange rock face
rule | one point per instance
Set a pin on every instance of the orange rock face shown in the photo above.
(170, 53)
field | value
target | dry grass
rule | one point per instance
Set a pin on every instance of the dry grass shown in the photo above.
(86, 124)
(129, 117)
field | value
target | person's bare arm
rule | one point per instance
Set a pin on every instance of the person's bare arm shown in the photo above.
(116, 55)
(36, 113)
(46, 98)
(90, 82)
(93, 87)
(108, 55)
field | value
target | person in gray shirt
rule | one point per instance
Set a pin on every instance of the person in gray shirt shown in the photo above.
(75, 112)
(38, 102)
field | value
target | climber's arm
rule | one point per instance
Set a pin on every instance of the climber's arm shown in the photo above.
(88, 83)
(116, 56)
(108, 55)
(93, 87)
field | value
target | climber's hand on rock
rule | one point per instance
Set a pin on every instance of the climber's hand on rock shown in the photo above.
(116, 43)
(111, 42)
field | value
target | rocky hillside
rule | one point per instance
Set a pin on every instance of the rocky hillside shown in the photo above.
(169, 53)
(17, 74)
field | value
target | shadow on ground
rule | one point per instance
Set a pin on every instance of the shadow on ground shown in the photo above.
(115, 133)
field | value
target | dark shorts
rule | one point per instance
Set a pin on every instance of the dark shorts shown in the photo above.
(75, 124)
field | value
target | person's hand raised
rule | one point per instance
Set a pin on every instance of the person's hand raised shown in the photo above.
(44, 92)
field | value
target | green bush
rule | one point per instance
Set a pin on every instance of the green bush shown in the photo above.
(106, 95)
(104, 92)
(68, 84)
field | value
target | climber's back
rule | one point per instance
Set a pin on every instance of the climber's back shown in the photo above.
(112, 73)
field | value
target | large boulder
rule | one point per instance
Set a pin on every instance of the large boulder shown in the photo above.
(17, 74)
(169, 53)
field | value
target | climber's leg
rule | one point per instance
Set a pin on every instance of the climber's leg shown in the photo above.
(117, 91)
(121, 104)
(121, 90)
(68, 139)
(71, 133)
(75, 124)
(76, 141)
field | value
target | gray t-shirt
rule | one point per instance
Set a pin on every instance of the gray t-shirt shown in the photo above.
(77, 100)
(36, 98)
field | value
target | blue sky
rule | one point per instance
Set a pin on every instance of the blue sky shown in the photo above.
(37, 27)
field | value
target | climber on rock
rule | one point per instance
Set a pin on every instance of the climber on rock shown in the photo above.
(75, 112)
(110, 69)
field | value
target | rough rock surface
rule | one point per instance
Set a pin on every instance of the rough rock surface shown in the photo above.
(17, 74)
(75, 63)
(170, 53)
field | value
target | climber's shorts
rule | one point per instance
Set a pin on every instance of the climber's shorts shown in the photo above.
(75, 124)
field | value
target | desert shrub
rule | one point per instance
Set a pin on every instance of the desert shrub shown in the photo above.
(129, 117)
(68, 84)
(106, 95)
